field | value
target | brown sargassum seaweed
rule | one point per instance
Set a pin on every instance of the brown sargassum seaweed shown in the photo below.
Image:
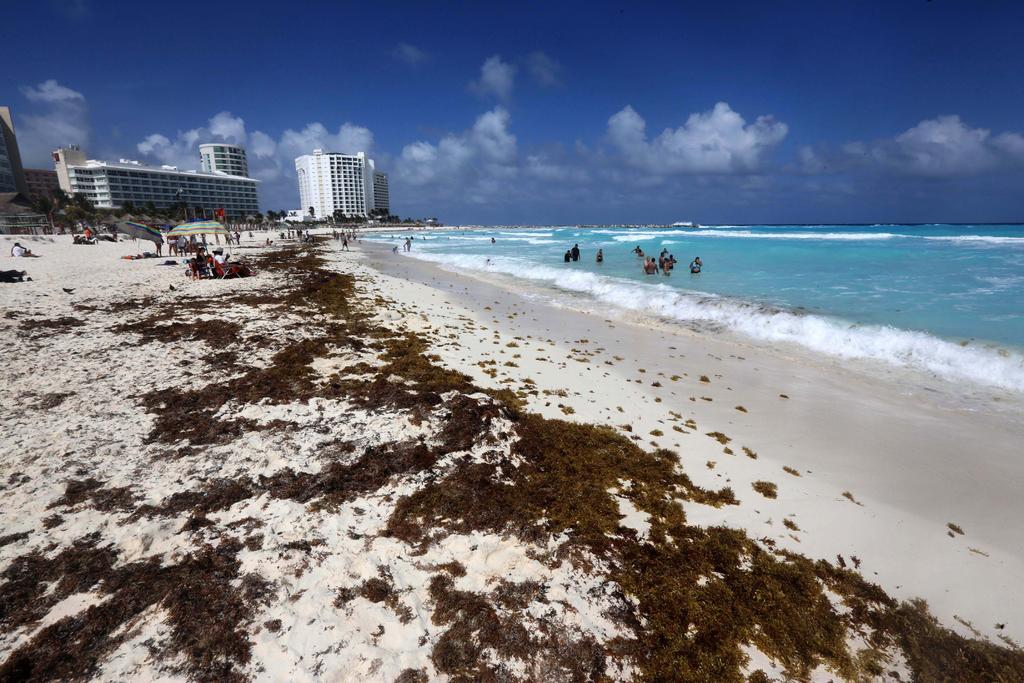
(689, 597)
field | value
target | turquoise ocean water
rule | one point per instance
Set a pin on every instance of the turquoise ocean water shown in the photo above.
(946, 299)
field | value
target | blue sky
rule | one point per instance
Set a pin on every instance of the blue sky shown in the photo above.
(903, 110)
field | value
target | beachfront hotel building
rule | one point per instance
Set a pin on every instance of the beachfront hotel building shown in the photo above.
(40, 182)
(217, 156)
(348, 183)
(109, 185)
(12, 176)
(381, 196)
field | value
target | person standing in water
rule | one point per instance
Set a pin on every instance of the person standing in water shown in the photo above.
(575, 252)
(600, 256)
(695, 265)
(568, 255)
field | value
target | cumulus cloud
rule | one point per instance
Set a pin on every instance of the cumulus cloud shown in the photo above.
(943, 146)
(271, 160)
(470, 163)
(183, 149)
(716, 141)
(409, 54)
(545, 70)
(497, 78)
(51, 92)
(59, 116)
(349, 139)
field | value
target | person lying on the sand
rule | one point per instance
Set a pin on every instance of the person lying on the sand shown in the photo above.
(21, 252)
(14, 276)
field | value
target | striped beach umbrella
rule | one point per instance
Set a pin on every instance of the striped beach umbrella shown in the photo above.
(140, 231)
(198, 228)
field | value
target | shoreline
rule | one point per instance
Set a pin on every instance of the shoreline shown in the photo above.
(914, 462)
(987, 371)
(339, 469)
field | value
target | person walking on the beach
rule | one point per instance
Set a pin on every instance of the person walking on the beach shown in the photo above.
(575, 252)
(344, 244)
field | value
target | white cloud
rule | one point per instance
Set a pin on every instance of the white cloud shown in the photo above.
(810, 161)
(350, 138)
(61, 117)
(491, 135)
(270, 160)
(468, 163)
(51, 92)
(716, 141)
(409, 54)
(1010, 144)
(946, 146)
(261, 145)
(497, 78)
(228, 128)
(943, 147)
(183, 150)
(545, 70)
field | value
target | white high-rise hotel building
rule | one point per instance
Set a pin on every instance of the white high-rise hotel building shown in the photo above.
(349, 183)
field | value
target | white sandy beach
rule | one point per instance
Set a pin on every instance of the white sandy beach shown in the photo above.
(903, 482)
(909, 455)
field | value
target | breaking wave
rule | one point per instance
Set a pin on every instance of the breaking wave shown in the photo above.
(832, 336)
(619, 237)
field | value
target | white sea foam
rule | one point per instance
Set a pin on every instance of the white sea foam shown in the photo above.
(748, 234)
(835, 337)
(983, 239)
(517, 238)
(737, 232)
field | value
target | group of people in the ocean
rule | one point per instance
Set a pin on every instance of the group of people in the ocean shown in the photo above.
(664, 264)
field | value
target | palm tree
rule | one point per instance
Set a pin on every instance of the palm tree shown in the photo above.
(44, 205)
(60, 198)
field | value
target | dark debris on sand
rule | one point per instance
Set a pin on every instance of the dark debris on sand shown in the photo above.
(689, 598)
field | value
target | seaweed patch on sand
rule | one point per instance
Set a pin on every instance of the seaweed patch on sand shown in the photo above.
(345, 503)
